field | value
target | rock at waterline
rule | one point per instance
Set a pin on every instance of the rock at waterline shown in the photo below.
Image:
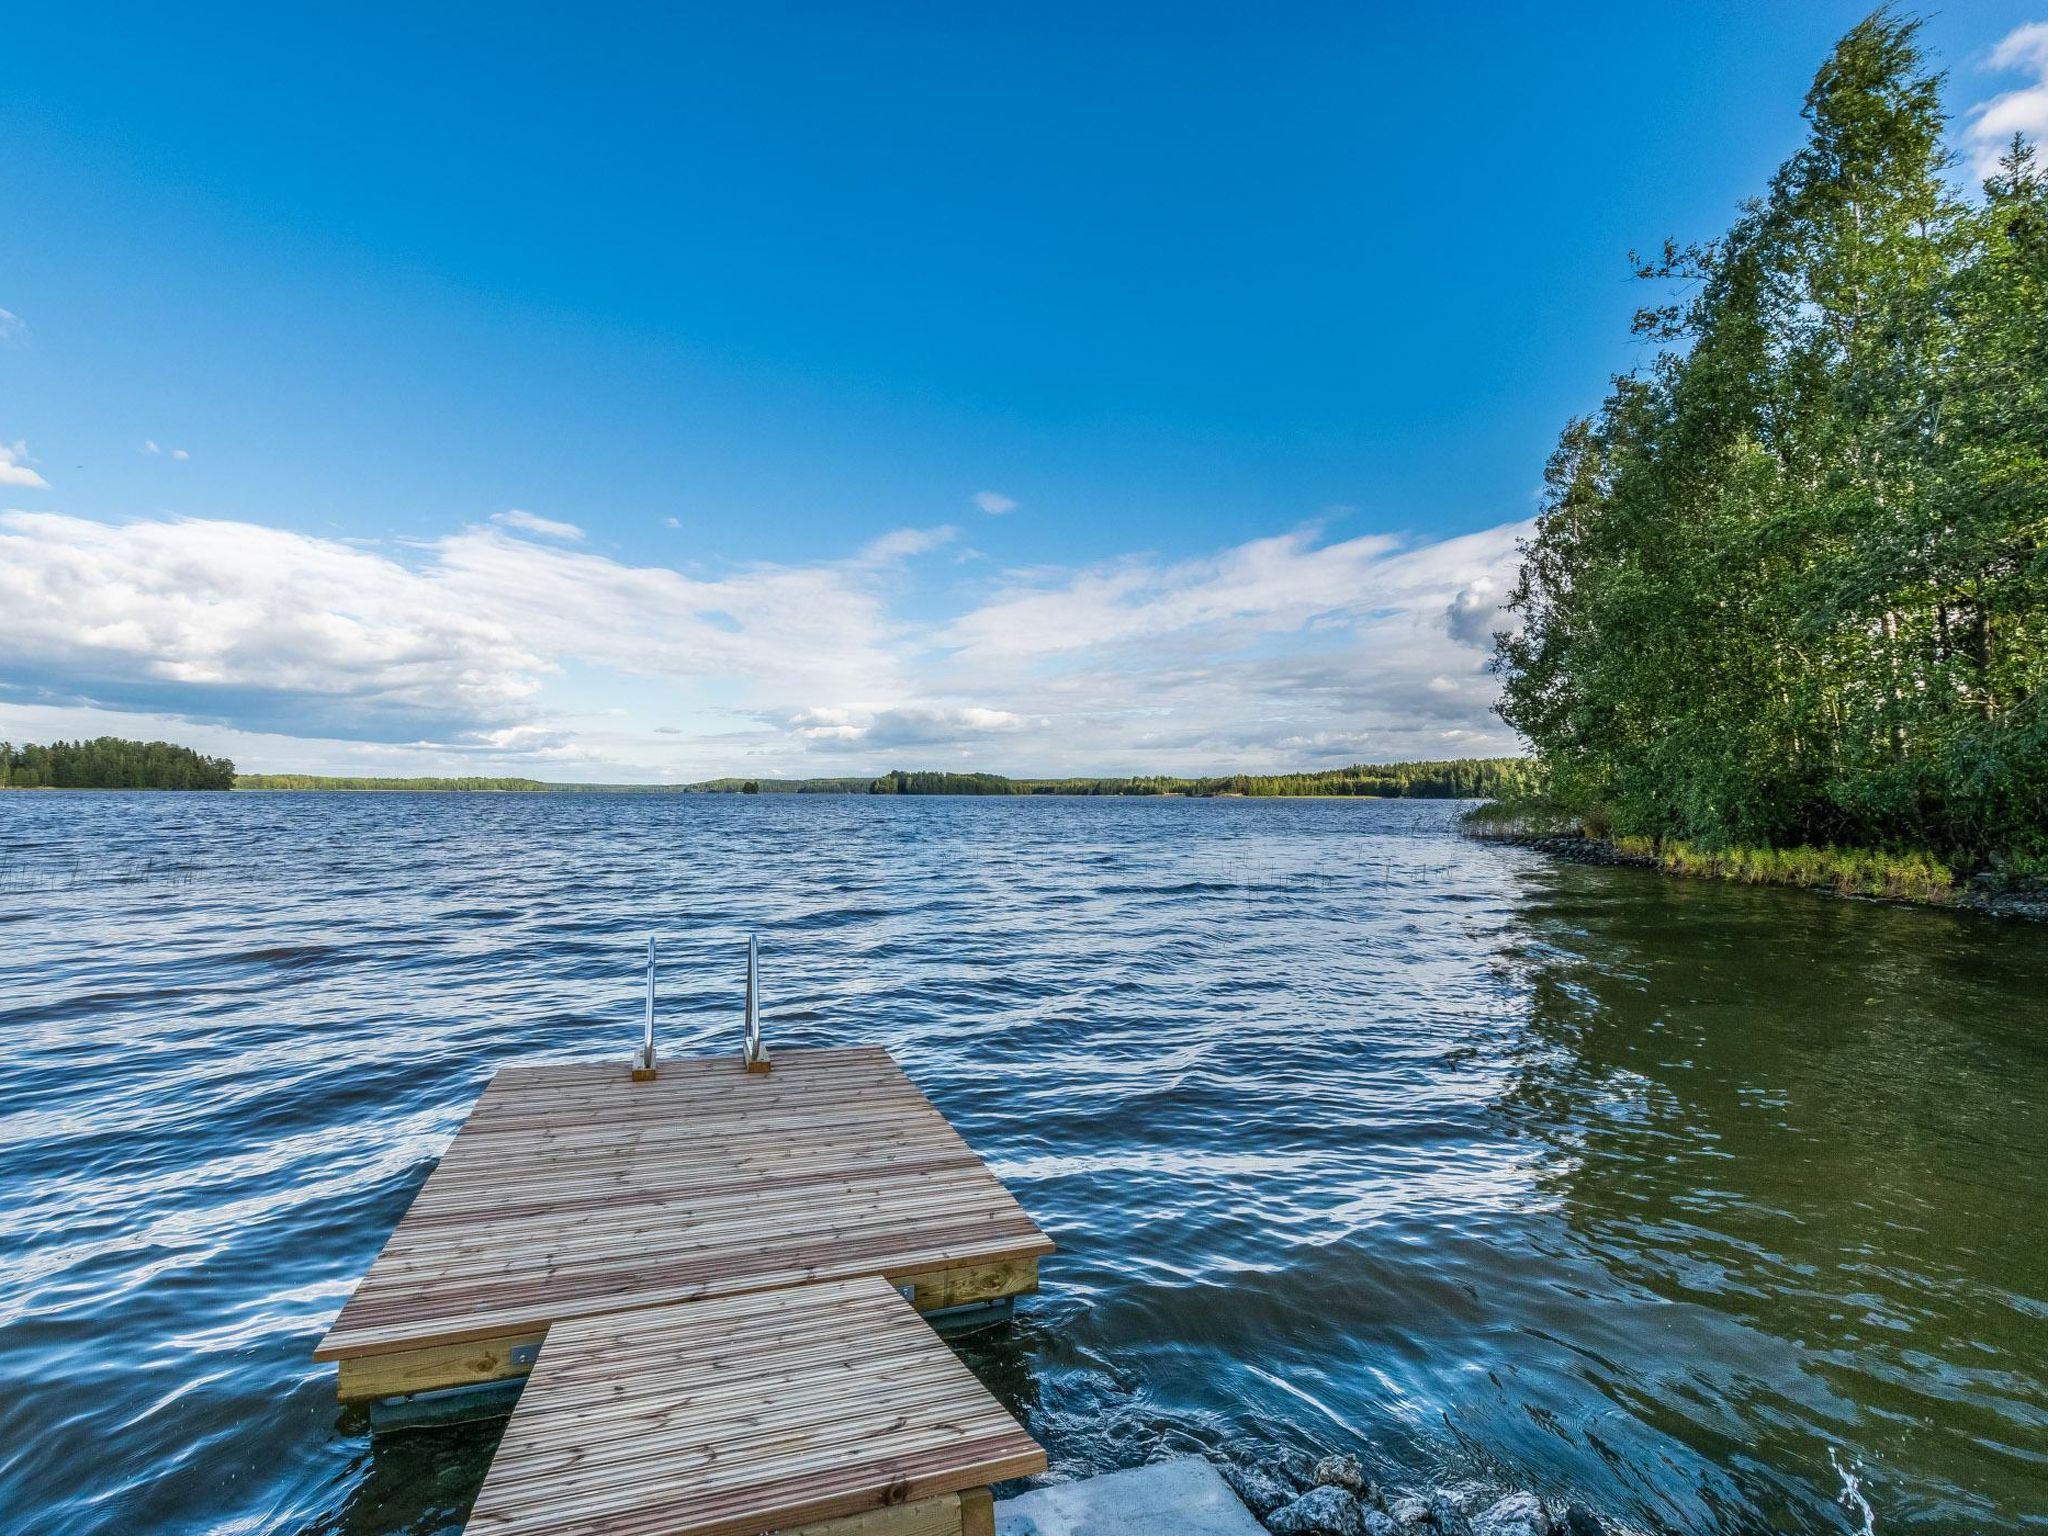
(1261, 1491)
(1409, 1513)
(1580, 1522)
(1345, 1472)
(1379, 1523)
(1519, 1514)
(1446, 1517)
(1324, 1511)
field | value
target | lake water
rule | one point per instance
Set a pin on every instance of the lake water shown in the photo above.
(1706, 1206)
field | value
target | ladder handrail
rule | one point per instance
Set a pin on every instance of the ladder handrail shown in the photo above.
(752, 1026)
(647, 1031)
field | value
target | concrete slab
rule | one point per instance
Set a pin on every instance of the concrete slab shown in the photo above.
(1168, 1498)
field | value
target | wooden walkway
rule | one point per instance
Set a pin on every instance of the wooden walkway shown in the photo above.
(573, 1192)
(765, 1412)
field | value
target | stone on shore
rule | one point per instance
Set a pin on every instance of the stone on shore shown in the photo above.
(1409, 1513)
(1324, 1511)
(1187, 1497)
(1519, 1514)
(1261, 1491)
(1446, 1516)
(1346, 1472)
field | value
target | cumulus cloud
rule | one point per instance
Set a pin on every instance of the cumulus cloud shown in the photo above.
(1289, 582)
(2023, 110)
(265, 628)
(1475, 613)
(994, 503)
(514, 642)
(910, 725)
(15, 471)
(546, 527)
(250, 626)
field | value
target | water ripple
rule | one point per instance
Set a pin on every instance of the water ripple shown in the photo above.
(1717, 1209)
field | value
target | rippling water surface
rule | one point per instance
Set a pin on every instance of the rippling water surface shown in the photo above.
(1694, 1203)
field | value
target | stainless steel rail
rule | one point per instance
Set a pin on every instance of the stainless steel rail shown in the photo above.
(647, 1029)
(754, 1053)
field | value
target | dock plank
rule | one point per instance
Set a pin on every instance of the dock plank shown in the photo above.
(572, 1191)
(743, 1415)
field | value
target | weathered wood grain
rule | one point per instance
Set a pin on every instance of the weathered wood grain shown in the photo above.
(572, 1190)
(830, 1404)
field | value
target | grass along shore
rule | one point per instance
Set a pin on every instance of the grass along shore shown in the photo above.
(2012, 885)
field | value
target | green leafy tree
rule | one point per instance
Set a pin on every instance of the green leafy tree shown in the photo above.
(1787, 583)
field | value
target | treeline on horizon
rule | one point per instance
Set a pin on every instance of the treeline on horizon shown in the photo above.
(1789, 584)
(1459, 778)
(109, 762)
(1472, 778)
(479, 785)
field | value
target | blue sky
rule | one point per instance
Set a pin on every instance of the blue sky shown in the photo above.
(600, 392)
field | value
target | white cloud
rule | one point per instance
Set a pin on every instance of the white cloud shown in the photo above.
(910, 725)
(509, 646)
(251, 626)
(10, 325)
(994, 503)
(14, 469)
(904, 543)
(546, 527)
(179, 453)
(673, 522)
(150, 445)
(1475, 613)
(2024, 110)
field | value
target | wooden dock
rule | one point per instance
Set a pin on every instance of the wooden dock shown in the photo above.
(575, 1192)
(829, 1409)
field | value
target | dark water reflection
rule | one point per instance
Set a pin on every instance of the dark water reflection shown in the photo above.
(1691, 1202)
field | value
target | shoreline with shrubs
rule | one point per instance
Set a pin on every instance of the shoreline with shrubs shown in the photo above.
(2013, 888)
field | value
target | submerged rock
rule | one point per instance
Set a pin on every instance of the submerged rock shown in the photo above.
(1519, 1514)
(1261, 1491)
(1447, 1517)
(1346, 1472)
(1325, 1511)
(1580, 1521)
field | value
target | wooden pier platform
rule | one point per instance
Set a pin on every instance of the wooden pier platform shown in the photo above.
(574, 1192)
(831, 1410)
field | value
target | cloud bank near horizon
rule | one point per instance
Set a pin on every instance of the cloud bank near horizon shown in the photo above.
(511, 645)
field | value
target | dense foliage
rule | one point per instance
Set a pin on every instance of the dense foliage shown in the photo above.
(1462, 778)
(108, 762)
(1790, 583)
(897, 782)
(325, 781)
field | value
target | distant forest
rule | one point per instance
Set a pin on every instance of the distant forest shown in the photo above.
(1481, 778)
(108, 762)
(1468, 778)
(326, 781)
(857, 786)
